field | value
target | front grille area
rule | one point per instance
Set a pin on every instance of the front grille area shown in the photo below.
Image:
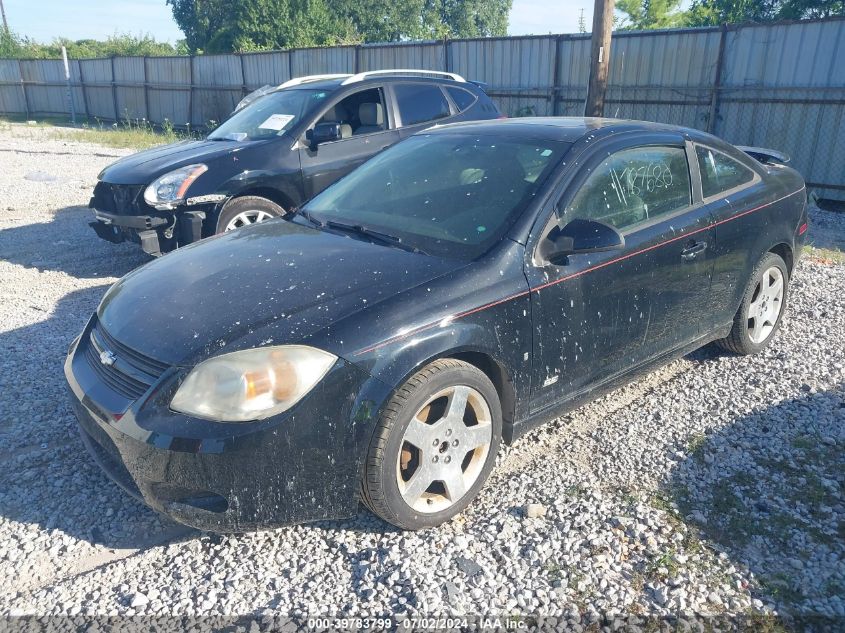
(130, 374)
(119, 199)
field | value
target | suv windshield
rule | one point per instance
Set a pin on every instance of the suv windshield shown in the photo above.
(269, 115)
(452, 195)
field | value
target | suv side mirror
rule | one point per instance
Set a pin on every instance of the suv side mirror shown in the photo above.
(580, 236)
(323, 133)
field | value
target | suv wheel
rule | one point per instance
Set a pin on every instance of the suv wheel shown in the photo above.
(247, 210)
(434, 447)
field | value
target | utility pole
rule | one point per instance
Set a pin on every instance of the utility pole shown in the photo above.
(582, 23)
(5, 22)
(599, 57)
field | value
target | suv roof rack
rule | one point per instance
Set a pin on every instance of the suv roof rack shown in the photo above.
(309, 78)
(402, 72)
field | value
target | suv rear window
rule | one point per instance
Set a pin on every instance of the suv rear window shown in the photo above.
(462, 98)
(419, 103)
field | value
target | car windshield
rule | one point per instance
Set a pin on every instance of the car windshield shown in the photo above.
(452, 195)
(269, 115)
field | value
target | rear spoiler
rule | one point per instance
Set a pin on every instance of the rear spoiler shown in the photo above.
(765, 155)
(481, 84)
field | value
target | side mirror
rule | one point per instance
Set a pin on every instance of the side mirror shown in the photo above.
(580, 236)
(323, 133)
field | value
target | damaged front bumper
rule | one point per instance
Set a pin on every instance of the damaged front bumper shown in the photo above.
(302, 465)
(121, 215)
(155, 234)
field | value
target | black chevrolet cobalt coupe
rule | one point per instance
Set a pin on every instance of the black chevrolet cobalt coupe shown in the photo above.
(451, 293)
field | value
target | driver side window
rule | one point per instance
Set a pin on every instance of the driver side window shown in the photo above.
(634, 186)
(360, 113)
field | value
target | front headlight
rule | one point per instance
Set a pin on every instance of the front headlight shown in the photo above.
(165, 191)
(252, 384)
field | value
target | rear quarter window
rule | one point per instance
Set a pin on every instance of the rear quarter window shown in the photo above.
(719, 172)
(462, 98)
(419, 103)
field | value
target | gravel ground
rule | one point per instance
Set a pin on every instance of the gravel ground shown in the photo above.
(713, 486)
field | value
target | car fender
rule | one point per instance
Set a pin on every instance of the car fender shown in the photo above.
(498, 343)
(782, 215)
(287, 184)
(466, 342)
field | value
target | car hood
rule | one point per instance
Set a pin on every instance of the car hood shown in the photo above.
(143, 167)
(271, 283)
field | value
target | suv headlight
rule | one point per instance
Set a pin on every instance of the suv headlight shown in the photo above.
(166, 191)
(252, 384)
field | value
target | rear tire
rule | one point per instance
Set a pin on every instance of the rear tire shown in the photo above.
(434, 446)
(247, 210)
(761, 311)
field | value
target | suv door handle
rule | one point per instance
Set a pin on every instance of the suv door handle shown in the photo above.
(690, 252)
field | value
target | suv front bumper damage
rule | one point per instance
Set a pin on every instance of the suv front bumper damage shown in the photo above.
(121, 216)
(156, 235)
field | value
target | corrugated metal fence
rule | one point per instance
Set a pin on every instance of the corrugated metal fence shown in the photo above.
(779, 85)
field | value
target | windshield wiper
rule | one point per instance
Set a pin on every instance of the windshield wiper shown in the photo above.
(308, 217)
(378, 236)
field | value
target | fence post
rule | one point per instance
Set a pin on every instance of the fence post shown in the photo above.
(146, 92)
(114, 91)
(82, 86)
(191, 89)
(23, 89)
(447, 58)
(244, 87)
(717, 81)
(357, 68)
(556, 80)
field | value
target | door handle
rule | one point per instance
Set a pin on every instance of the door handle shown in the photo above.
(690, 252)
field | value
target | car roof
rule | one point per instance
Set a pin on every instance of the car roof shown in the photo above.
(565, 129)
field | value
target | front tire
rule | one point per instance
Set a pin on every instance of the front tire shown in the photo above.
(761, 311)
(247, 210)
(435, 445)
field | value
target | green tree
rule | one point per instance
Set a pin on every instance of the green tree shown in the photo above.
(268, 24)
(15, 46)
(650, 14)
(10, 44)
(248, 25)
(801, 9)
(711, 12)
(658, 14)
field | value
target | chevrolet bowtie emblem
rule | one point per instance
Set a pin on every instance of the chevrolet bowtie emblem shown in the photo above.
(107, 358)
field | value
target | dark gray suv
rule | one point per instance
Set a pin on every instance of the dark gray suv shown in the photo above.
(281, 148)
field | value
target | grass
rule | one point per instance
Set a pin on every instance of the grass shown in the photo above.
(127, 133)
(553, 570)
(696, 446)
(825, 255)
(666, 561)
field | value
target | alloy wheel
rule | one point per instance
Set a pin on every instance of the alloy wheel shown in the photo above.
(444, 449)
(245, 218)
(766, 305)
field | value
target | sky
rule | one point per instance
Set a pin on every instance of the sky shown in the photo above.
(44, 20)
